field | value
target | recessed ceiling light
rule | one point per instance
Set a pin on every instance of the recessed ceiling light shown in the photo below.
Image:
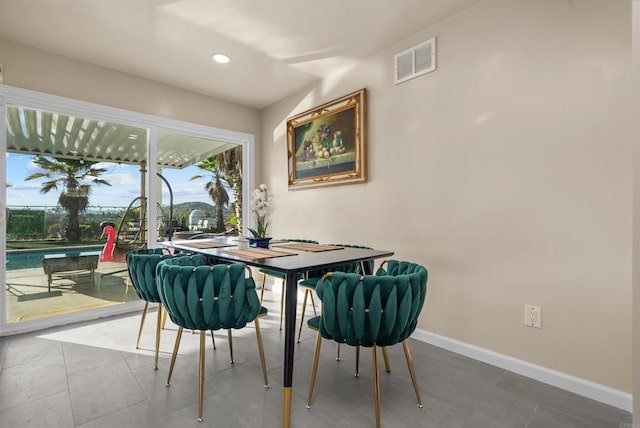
(221, 58)
(132, 136)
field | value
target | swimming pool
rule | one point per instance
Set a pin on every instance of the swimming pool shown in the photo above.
(29, 259)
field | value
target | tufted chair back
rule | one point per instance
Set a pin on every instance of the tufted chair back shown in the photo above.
(372, 310)
(141, 265)
(202, 297)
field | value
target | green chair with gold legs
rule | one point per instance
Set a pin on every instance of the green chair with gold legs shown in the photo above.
(309, 283)
(141, 266)
(203, 297)
(372, 311)
(279, 275)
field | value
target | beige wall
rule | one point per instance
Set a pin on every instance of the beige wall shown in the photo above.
(507, 172)
(636, 210)
(42, 71)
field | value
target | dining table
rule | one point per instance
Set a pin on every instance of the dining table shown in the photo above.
(293, 260)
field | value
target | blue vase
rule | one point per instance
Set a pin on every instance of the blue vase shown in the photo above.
(259, 242)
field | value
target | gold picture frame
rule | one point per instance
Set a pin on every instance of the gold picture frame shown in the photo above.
(327, 145)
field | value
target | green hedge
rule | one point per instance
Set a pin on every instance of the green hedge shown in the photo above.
(26, 222)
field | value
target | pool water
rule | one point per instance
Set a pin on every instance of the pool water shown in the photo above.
(29, 259)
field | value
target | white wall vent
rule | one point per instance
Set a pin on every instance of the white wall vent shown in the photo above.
(415, 61)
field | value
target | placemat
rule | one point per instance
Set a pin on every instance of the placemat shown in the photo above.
(258, 253)
(303, 246)
(203, 244)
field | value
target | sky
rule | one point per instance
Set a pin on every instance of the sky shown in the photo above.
(124, 179)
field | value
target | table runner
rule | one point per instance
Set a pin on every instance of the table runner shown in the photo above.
(303, 246)
(258, 253)
(203, 244)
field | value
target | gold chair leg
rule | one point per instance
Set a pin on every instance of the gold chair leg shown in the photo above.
(201, 377)
(144, 315)
(412, 371)
(261, 351)
(385, 356)
(173, 357)
(164, 317)
(230, 345)
(376, 386)
(313, 303)
(357, 374)
(282, 305)
(304, 306)
(158, 327)
(264, 280)
(314, 370)
(213, 340)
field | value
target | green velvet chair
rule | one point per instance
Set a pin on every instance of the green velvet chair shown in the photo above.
(201, 297)
(280, 276)
(141, 265)
(372, 311)
(309, 283)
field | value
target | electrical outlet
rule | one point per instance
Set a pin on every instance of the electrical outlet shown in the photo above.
(533, 316)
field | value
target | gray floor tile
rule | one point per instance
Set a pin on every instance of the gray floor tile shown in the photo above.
(32, 381)
(90, 375)
(545, 417)
(53, 411)
(136, 416)
(82, 357)
(590, 412)
(441, 413)
(102, 390)
(449, 383)
(498, 408)
(28, 348)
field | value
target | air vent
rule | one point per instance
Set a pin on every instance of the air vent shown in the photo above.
(415, 61)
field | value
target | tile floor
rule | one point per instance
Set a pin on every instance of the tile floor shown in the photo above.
(91, 375)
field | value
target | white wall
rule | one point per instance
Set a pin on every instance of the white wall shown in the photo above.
(507, 172)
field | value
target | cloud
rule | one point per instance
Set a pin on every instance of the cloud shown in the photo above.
(26, 185)
(32, 166)
(120, 179)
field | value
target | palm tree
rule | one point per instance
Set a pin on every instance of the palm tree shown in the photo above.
(230, 162)
(215, 188)
(75, 178)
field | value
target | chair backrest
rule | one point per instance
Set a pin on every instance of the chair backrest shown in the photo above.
(304, 241)
(141, 265)
(363, 267)
(203, 297)
(370, 310)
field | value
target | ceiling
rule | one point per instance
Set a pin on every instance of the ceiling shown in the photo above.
(276, 46)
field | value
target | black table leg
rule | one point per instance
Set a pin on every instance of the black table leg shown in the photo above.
(291, 297)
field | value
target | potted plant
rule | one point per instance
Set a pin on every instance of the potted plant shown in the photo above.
(261, 207)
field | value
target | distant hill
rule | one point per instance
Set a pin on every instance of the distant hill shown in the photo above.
(183, 209)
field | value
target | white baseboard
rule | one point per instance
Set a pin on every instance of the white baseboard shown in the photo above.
(604, 394)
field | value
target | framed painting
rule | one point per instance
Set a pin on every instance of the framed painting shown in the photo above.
(327, 145)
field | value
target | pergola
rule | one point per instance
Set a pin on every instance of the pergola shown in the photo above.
(45, 133)
(37, 132)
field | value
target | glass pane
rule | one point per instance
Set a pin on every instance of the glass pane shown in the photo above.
(201, 185)
(70, 181)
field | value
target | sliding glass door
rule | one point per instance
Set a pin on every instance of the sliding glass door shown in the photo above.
(79, 191)
(69, 183)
